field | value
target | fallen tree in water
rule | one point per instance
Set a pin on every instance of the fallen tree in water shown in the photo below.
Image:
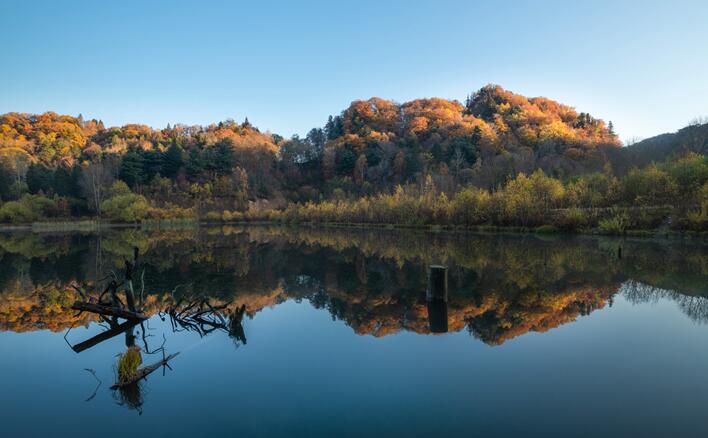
(195, 313)
(141, 373)
(115, 330)
(115, 307)
(203, 318)
(105, 310)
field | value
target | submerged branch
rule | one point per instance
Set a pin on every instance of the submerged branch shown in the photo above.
(108, 310)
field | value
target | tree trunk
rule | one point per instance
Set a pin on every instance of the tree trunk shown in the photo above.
(144, 372)
(109, 311)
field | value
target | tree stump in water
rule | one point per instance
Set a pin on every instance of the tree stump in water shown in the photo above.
(436, 296)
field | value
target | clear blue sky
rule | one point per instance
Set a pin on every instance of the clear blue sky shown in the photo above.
(288, 65)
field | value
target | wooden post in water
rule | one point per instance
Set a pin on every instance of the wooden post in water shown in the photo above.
(437, 316)
(436, 296)
(437, 283)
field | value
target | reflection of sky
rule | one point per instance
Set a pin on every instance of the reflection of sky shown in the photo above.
(638, 368)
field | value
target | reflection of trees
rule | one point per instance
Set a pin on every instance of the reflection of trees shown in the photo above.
(500, 286)
(694, 307)
(538, 312)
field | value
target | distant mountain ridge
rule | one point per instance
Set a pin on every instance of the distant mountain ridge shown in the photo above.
(691, 139)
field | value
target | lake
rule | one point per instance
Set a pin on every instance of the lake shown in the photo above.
(330, 332)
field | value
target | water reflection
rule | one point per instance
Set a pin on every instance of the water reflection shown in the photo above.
(376, 281)
(204, 285)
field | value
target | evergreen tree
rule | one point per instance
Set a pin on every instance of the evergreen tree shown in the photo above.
(152, 164)
(63, 182)
(132, 169)
(345, 162)
(317, 138)
(194, 164)
(476, 135)
(172, 160)
(334, 127)
(6, 181)
(221, 159)
(412, 166)
(329, 127)
(39, 179)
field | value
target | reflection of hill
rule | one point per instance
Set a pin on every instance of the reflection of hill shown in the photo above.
(500, 286)
(536, 312)
(492, 315)
(47, 307)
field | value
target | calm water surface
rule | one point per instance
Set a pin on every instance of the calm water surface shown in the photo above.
(539, 336)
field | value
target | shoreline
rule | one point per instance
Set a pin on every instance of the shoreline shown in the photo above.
(94, 225)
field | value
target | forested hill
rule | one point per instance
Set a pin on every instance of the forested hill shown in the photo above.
(494, 135)
(691, 139)
(58, 166)
(372, 145)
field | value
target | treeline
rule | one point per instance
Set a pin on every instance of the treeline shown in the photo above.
(59, 167)
(79, 169)
(673, 195)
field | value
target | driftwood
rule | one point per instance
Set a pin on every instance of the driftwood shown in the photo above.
(115, 307)
(104, 336)
(108, 311)
(201, 317)
(143, 372)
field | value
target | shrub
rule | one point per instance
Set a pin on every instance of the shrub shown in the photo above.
(647, 218)
(571, 219)
(698, 219)
(126, 207)
(27, 209)
(213, 216)
(546, 229)
(470, 207)
(128, 364)
(649, 186)
(171, 212)
(16, 212)
(616, 224)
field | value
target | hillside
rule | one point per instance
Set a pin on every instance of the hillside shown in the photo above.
(59, 166)
(691, 139)
(372, 145)
(494, 135)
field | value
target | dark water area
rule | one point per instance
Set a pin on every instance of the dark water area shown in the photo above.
(331, 333)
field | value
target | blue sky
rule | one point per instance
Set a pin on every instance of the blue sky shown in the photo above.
(288, 65)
